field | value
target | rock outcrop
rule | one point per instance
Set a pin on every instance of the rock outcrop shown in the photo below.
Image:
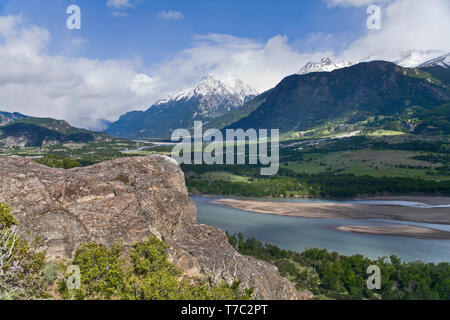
(130, 199)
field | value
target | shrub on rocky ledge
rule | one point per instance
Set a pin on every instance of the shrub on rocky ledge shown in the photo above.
(21, 262)
(142, 273)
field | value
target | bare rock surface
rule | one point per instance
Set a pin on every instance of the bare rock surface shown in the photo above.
(130, 199)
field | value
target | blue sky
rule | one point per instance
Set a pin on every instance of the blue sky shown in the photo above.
(142, 33)
(131, 53)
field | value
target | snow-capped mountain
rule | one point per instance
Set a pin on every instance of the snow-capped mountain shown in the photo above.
(414, 58)
(209, 85)
(213, 96)
(208, 99)
(325, 65)
(442, 61)
(239, 88)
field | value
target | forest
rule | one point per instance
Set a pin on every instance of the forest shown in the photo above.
(289, 183)
(330, 275)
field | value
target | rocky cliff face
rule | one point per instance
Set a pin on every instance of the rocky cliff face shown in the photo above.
(130, 199)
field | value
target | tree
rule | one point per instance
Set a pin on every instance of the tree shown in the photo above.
(21, 262)
(142, 272)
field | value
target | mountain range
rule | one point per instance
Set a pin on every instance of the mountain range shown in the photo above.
(442, 61)
(325, 65)
(414, 58)
(348, 95)
(18, 130)
(208, 99)
(321, 93)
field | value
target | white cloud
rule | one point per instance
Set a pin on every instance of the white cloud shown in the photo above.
(119, 13)
(37, 84)
(142, 84)
(77, 89)
(171, 15)
(262, 65)
(355, 3)
(74, 89)
(118, 4)
(78, 42)
(119, 7)
(406, 24)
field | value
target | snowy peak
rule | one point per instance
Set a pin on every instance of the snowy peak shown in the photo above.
(414, 58)
(442, 61)
(210, 97)
(208, 86)
(325, 65)
(239, 88)
(212, 86)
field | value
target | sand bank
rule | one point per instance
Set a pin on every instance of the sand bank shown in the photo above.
(354, 211)
(399, 231)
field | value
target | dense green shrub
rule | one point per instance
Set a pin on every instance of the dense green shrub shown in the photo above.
(328, 274)
(102, 270)
(143, 273)
(56, 161)
(21, 262)
(6, 218)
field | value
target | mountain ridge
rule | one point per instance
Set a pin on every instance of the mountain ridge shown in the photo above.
(441, 61)
(300, 102)
(414, 58)
(39, 132)
(208, 99)
(8, 117)
(325, 65)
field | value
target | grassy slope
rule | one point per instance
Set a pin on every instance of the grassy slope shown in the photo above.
(376, 163)
(337, 167)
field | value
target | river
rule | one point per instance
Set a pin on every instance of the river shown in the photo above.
(297, 234)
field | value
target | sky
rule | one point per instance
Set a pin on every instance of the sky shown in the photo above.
(130, 53)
